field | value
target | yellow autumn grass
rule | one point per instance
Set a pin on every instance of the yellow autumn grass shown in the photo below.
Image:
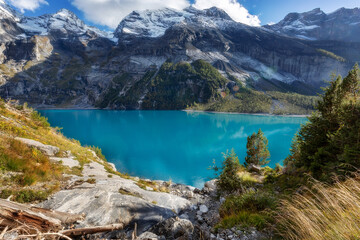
(323, 212)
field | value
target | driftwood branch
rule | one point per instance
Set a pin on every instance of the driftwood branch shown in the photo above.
(65, 218)
(92, 230)
(39, 235)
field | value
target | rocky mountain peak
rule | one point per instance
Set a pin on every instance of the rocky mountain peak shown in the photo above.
(60, 24)
(217, 13)
(341, 25)
(154, 23)
(7, 12)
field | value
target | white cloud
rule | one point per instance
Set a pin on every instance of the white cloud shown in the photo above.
(232, 7)
(31, 5)
(111, 12)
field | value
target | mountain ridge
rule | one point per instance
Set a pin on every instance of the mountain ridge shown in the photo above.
(62, 62)
(340, 25)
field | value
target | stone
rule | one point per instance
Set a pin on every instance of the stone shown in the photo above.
(211, 185)
(70, 162)
(204, 208)
(112, 166)
(182, 227)
(173, 228)
(147, 236)
(184, 216)
(46, 149)
(254, 168)
(189, 194)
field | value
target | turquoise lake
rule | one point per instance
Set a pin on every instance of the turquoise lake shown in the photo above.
(175, 145)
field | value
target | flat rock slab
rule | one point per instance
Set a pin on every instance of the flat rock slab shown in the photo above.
(46, 149)
(103, 204)
(70, 162)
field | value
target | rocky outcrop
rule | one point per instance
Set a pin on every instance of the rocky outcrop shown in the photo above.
(46, 149)
(103, 202)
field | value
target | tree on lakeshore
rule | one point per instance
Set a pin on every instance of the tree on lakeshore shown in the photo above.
(257, 149)
(228, 180)
(330, 142)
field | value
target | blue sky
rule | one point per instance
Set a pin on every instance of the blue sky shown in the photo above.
(95, 12)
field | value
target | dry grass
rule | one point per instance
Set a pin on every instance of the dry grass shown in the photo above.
(24, 231)
(323, 212)
(25, 167)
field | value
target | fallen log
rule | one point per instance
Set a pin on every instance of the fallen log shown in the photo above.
(91, 230)
(65, 218)
(45, 222)
(15, 214)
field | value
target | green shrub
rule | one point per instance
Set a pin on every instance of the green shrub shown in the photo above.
(253, 201)
(244, 219)
(39, 119)
(228, 178)
(98, 152)
(331, 54)
(257, 149)
(250, 209)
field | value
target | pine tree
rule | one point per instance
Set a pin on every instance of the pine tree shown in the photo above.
(228, 180)
(330, 142)
(257, 149)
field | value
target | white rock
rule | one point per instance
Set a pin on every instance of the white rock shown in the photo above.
(184, 216)
(46, 149)
(65, 161)
(147, 236)
(204, 209)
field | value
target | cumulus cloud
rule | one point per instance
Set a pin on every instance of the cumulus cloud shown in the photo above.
(111, 12)
(30, 5)
(232, 7)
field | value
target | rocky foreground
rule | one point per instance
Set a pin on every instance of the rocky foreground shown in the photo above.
(148, 209)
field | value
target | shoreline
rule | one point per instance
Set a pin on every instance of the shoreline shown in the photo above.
(183, 110)
(255, 114)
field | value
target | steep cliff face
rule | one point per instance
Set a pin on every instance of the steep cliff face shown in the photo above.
(57, 61)
(248, 52)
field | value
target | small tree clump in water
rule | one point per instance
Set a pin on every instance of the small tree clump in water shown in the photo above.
(257, 149)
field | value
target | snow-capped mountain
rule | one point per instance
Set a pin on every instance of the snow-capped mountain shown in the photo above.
(56, 59)
(7, 12)
(8, 22)
(341, 25)
(154, 23)
(64, 22)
